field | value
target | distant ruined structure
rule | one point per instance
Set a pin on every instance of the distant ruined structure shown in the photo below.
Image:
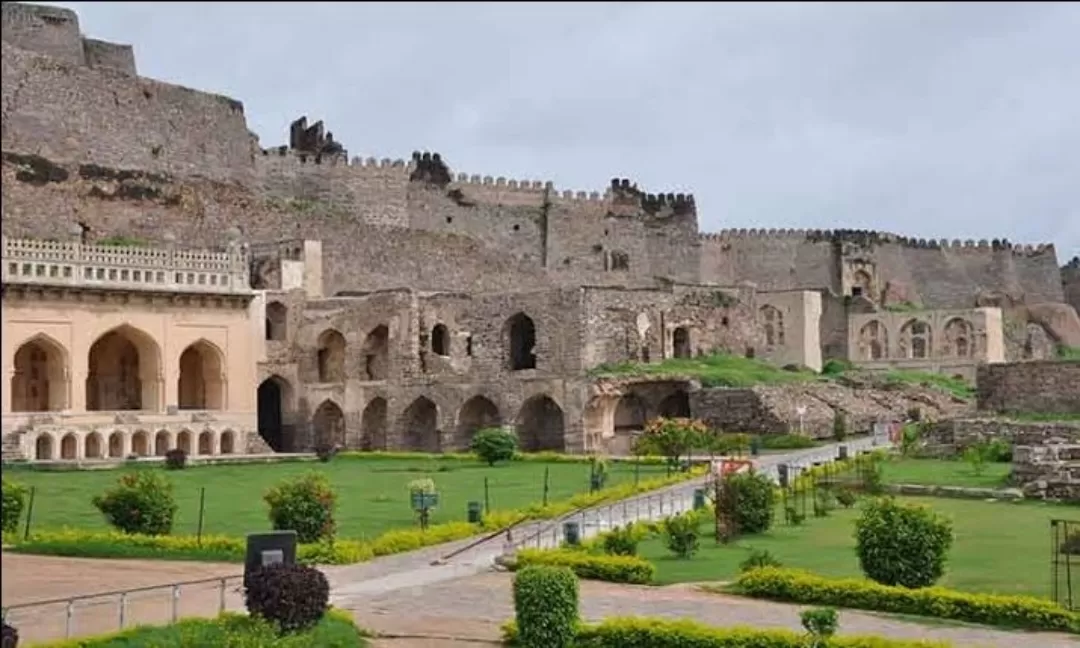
(401, 304)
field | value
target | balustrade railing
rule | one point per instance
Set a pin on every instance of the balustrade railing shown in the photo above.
(29, 261)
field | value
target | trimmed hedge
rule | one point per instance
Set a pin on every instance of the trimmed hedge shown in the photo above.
(546, 606)
(796, 586)
(646, 632)
(105, 544)
(335, 630)
(614, 569)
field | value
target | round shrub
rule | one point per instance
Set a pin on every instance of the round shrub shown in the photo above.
(14, 501)
(295, 597)
(305, 505)
(622, 541)
(140, 502)
(176, 459)
(10, 637)
(494, 444)
(680, 534)
(546, 606)
(751, 499)
(902, 544)
(759, 558)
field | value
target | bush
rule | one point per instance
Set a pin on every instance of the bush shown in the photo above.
(622, 541)
(839, 426)
(787, 442)
(326, 451)
(10, 638)
(820, 623)
(175, 459)
(871, 477)
(759, 558)
(846, 497)
(680, 534)
(752, 496)
(645, 632)
(305, 505)
(835, 367)
(494, 444)
(546, 606)
(14, 501)
(902, 544)
(795, 586)
(613, 569)
(295, 597)
(141, 502)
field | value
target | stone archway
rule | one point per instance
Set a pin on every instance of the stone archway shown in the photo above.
(328, 424)
(124, 369)
(277, 319)
(376, 352)
(631, 414)
(680, 343)
(116, 445)
(228, 442)
(44, 448)
(273, 398)
(200, 386)
(675, 405)
(330, 357)
(183, 441)
(40, 379)
(420, 423)
(206, 442)
(140, 444)
(93, 446)
(541, 425)
(477, 413)
(520, 333)
(373, 424)
(69, 446)
(162, 443)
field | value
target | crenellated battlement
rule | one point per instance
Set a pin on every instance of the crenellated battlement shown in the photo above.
(817, 235)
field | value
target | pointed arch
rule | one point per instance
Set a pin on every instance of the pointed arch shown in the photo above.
(228, 442)
(140, 443)
(520, 335)
(328, 424)
(680, 342)
(420, 423)
(40, 380)
(44, 447)
(630, 414)
(541, 425)
(916, 339)
(206, 443)
(116, 445)
(476, 414)
(373, 424)
(162, 443)
(873, 341)
(440, 340)
(330, 356)
(201, 385)
(277, 322)
(376, 352)
(93, 446)
(675, 405)
(124, 371)
(183, 441)
(772, 321)
(69, 446)
(958, 338)
(272, 400)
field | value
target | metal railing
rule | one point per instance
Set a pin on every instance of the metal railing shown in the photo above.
(64, 618)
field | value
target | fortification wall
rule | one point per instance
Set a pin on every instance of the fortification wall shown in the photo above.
(1070, 283)
(1046, 387)
(934, 274)
(99, 53)
(66, 111)
(51, 31)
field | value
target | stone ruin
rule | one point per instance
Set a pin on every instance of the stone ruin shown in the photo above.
(1048, 467)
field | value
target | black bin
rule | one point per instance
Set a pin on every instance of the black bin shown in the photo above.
(475, 512)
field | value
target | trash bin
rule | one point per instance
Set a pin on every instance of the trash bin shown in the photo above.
(783, 472)
(842, 452)
(475, 512)
(755, 446)
(699, 498)
(572, 533)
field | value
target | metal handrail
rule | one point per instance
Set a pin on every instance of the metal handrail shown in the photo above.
(136, 590)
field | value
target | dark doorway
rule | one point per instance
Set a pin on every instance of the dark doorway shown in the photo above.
(269, 413)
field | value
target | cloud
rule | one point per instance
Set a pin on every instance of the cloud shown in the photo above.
(938, 120)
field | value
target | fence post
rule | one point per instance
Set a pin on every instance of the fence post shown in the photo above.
(123, 608)
(202, 510)
(487, 497)
(67, 622)
(221, 596)
(547, 472)
(29, 513)
(175, 603)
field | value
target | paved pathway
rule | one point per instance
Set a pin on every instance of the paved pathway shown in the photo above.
(460, 559)
(472, 609)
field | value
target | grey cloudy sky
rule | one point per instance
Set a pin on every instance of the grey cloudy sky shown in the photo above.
(940, 120)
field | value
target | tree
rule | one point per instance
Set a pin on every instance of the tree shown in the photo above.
(673, 438)
(494, 444)
(902, 544)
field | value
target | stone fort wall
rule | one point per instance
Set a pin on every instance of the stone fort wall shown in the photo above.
(75, 102)
(1070, 280)
(1045, 387)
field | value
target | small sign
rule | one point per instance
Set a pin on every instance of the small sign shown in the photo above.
(272, 557)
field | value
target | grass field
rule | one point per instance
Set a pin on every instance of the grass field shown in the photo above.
(942, 472)
(372, 492)
(999, 548)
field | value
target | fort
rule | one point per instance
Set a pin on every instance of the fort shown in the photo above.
(400, 303)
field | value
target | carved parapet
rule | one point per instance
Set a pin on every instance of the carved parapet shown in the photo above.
(680, 204)
(429, 168)
(76, 265)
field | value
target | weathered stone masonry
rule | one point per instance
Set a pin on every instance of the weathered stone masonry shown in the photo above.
(1047, 387)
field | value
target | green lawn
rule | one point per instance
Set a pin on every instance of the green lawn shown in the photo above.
(718, 370)
(942, 472)
(1000, 548)
(372, 492)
